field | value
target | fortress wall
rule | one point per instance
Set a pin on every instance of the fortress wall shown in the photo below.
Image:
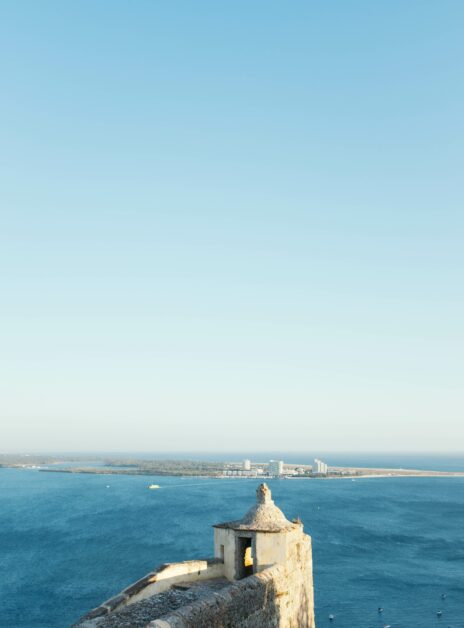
(157, 581)
(278, 597)
(249, 603)
(171, 573)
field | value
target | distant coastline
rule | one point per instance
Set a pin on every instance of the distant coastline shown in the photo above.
(343, 474)
(207, 469)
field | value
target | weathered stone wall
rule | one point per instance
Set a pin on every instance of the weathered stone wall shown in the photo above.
(157, 581)
(249, 603)
(269, 599)
(171, 573)
(225, 539)
(296, 591)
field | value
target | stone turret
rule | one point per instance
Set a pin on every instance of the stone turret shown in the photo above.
(260, 577)
(263, 538)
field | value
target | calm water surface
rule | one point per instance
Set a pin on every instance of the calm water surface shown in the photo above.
(67, 542)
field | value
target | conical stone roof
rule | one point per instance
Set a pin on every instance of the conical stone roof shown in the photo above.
(264, 516)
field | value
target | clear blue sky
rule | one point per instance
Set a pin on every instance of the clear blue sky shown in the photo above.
(231, 225)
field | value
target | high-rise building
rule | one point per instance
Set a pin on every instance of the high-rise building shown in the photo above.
(320, 467)
(276, 467)
(247, 465)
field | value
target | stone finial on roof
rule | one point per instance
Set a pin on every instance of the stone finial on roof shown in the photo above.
(263, 494)
(264, 516)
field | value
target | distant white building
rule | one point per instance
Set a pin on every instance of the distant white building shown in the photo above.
(247, 465)
(320, 467)
(276, 467)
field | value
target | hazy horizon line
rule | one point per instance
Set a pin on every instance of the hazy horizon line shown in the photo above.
(230, 451)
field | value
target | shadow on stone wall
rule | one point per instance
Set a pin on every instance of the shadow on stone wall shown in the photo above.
(305, 613)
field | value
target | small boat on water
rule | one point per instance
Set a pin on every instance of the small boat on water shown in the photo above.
(153, 486)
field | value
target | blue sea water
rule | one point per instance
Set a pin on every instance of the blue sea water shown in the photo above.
(68, 541)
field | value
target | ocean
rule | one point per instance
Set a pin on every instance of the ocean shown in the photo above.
(70, 541)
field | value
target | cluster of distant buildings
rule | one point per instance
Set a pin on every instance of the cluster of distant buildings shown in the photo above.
(275, 469)
(247, 470)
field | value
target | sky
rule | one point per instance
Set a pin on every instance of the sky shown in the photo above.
(231, 225)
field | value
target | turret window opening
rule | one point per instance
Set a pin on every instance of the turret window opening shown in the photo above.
(244, 557)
